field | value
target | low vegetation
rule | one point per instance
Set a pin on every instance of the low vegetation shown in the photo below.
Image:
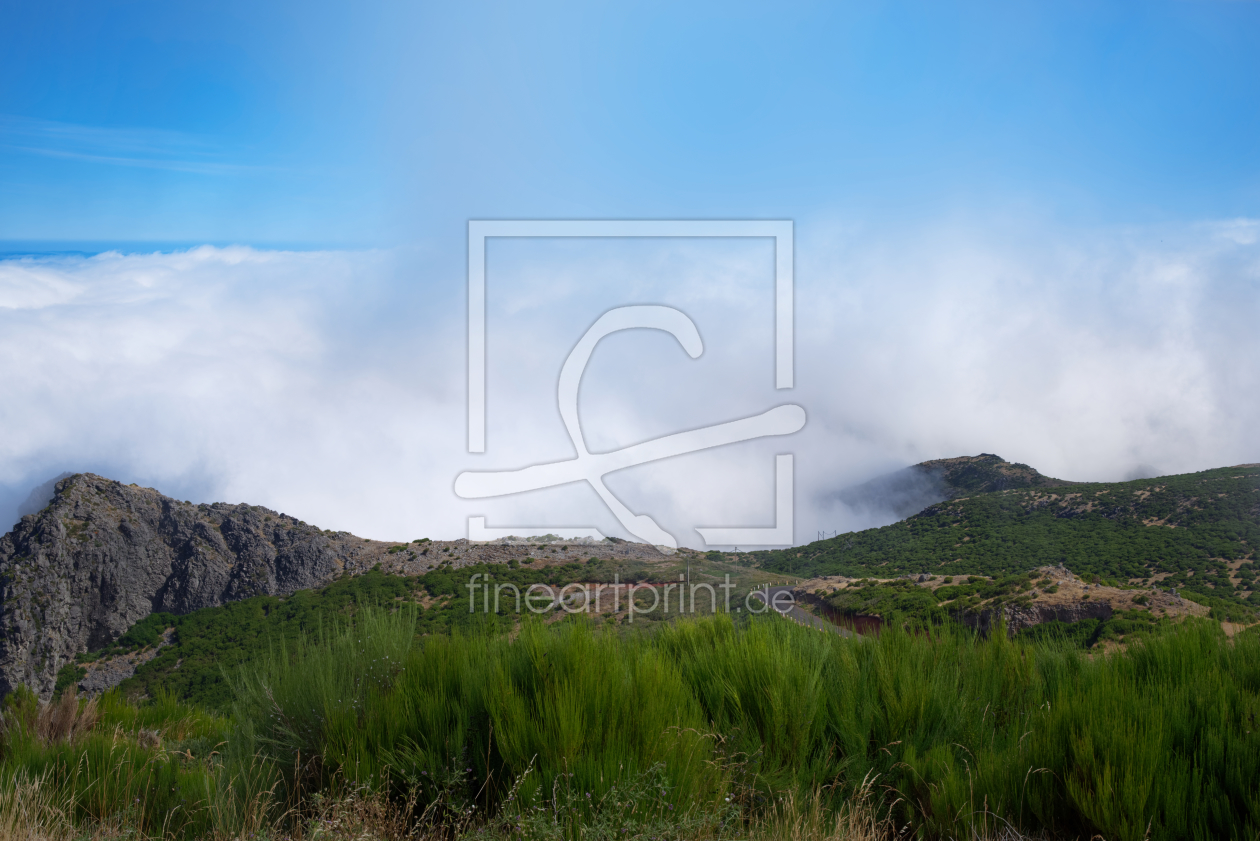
(905, 603)
(706, 728)
(1195, 532)
(210, 643)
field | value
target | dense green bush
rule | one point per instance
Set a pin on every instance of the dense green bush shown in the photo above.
(208, 642)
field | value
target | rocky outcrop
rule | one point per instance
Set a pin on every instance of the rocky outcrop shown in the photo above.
(108, 672)
(102, 556)
(1018, 617)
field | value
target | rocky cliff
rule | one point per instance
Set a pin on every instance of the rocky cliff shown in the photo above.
(103, 555)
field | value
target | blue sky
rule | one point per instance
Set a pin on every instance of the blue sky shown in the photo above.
(379, 124)
(1024, 228)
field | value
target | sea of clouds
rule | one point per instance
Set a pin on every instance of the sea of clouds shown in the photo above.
(331, 385)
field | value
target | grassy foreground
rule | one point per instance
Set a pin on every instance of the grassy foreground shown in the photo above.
(704, 729)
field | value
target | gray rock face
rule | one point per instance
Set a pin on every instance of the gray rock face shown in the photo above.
(103, 555)
(108, 673)
(1018, 618)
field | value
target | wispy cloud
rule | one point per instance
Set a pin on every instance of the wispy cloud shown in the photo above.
(129, 147)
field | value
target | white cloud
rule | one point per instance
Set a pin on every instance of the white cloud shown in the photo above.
(325, 385)
(1239, 231)
(1084, 358)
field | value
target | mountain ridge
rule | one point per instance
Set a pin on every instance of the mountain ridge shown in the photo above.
(987, 473)
(1196, 531)
(103, 555)
(908, 491)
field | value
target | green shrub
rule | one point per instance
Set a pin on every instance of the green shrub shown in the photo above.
(20, 705)
(144, 633)
(68, 676)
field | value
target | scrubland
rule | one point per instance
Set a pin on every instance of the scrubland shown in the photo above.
(702, 729)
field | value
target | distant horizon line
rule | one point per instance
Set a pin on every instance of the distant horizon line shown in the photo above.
(16, 248)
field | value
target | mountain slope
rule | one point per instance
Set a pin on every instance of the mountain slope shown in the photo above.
(985, 473)
(103, 555)
(1197, 531)
(909, 491)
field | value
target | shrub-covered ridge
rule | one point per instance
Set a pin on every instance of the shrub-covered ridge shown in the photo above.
(1198, 532)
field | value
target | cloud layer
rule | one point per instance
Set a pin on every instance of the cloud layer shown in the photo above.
(330, 385)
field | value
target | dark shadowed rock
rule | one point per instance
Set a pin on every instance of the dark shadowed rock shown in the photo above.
(1017, 617)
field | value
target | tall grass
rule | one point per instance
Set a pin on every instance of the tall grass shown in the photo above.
(703, 729)
(28, 812)
(470, 720)
(960, 735)
(96, 763)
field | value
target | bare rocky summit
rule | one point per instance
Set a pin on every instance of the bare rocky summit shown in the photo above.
(103, 555)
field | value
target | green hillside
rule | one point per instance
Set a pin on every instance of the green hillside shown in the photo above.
(1195, 528)
(210, 643)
